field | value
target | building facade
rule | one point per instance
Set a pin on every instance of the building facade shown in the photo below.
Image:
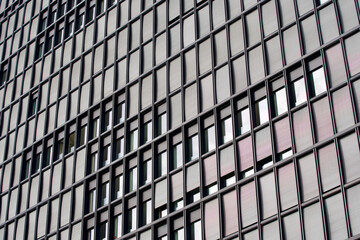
(179, 119)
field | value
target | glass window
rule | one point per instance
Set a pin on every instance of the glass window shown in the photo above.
(121, 112)
(131, 221)
(161, 128)
(318, 82)
(107, 120)
(146, 172)
(106, 158)
(132, 184)
(117, 226)
(193, 148)
(243, 118)
(146, 213)
(93, 162)
(179, 234)
(161, 163)
(226, 130)
(90, 234)
(209, 139)
(92, 200)
(118, 182)
(298, 92)
(261, 112)
(133, 140)
(104, 194)
(103, 230)
(147, 132)
(119, 148)
(195, 230)
(280, 103)
(177, 156)
(95, 128)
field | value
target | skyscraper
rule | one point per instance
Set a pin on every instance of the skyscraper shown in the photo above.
(179, 119)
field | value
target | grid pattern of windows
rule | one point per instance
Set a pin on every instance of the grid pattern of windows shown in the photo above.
(206, 119)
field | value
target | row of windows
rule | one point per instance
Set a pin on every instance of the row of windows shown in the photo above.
(314, 84)
(237, 207)
(292, 51)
